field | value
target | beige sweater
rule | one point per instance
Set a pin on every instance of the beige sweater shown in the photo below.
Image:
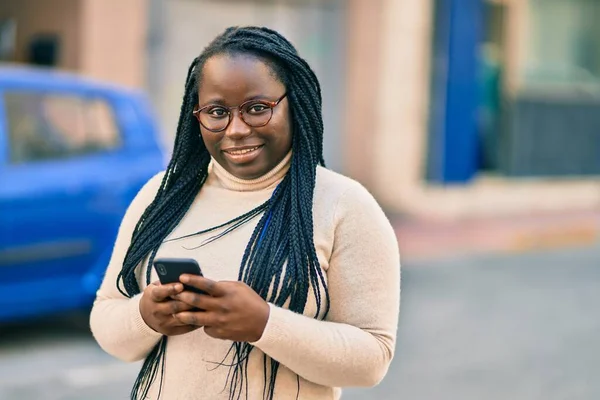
(358, 252)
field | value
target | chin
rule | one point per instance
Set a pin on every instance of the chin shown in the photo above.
(247, 171)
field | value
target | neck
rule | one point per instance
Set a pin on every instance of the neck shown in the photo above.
(218, 176)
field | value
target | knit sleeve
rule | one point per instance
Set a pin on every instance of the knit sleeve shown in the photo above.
(355, 344)
(115, 320)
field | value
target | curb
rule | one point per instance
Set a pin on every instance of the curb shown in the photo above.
(440, 239)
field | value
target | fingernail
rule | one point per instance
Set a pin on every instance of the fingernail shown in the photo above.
(178, 287)
(184, 278)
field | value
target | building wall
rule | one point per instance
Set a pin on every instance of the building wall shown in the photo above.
(113, 40)
(363, 59)
(402, 101)
(61, 17)
(398, 149)
(101, 39)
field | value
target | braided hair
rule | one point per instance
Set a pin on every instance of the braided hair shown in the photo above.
(280, 261)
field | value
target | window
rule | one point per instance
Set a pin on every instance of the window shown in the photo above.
(45, 126)
(563, 43)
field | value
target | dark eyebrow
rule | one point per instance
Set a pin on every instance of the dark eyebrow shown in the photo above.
(218, 101)
(215, 101)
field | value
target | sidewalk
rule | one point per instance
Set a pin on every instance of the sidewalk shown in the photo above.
(431, 240)
(497, 327)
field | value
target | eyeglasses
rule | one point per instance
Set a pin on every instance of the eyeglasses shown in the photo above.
(254, 113)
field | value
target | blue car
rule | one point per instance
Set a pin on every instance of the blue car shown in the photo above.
(73, 154)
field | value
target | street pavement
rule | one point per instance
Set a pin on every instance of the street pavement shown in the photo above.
(510, 327)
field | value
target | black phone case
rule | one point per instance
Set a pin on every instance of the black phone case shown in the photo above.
(169, 270)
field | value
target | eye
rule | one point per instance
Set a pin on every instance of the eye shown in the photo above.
(217, 112)
(257, 108)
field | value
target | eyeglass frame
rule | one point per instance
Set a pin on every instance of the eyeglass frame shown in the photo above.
(270, 104)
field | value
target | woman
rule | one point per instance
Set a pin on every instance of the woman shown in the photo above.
(301, 265)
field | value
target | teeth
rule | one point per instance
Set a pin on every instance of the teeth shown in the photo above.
(240, 152)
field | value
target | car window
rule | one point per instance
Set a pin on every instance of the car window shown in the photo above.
(48, 126)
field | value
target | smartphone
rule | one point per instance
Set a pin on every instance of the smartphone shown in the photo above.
(170, 269)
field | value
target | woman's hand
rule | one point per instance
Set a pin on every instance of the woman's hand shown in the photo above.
(158, 309)
(231, 310)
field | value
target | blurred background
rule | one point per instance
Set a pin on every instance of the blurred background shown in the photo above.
(475, 123)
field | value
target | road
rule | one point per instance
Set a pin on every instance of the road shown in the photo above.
(516, 327)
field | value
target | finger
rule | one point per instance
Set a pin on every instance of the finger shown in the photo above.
(173, 307)
(198, 318)
(173, 322)
(201, 301)
(162, 292)
(151, 287)
(199, 282)
(183, 329)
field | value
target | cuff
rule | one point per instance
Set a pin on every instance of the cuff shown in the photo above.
(137, 320)
(275, 330)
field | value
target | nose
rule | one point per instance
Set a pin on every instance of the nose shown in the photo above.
(237, 128)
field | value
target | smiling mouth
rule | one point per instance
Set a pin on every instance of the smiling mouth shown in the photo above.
(242, 151)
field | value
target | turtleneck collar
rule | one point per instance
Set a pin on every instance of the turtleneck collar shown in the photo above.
(218, 176)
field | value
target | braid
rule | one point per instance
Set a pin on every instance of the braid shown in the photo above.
(280, 261)
(186, 173)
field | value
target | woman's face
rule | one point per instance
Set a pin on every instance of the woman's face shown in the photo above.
(244, 151)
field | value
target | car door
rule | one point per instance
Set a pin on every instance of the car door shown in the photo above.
(61, 190)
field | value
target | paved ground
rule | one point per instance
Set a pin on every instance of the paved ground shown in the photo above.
(519, 327)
